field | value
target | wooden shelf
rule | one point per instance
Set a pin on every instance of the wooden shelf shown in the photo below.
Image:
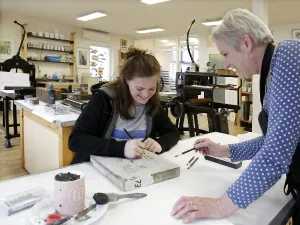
(70, 63)
(72, 43)
(235, 76)
(50, 50)
(208, 74)
(41, 80)
(68, 78)
(52, 39)
(245, 121)
(246, 93)
(228, 88)
(190, 87)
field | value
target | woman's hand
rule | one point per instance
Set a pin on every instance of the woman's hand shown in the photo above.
(206, 147)
(152, 145)
(134, 149)
(192, 208)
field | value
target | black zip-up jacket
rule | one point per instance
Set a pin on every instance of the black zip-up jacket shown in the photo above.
(91, 134)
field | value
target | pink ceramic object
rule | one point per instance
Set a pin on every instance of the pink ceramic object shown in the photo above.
(69, 196)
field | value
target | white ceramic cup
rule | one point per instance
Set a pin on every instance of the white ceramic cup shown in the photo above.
(69, 196)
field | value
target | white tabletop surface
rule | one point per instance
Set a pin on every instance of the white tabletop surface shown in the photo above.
(205, 178)
(39, 110)
(8, 91)
(168, 93)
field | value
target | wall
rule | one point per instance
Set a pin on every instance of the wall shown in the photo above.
(283, 32)
(144, 44)
(10, 30)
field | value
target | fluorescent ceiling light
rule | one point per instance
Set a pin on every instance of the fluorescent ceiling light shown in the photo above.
(149, 30)
(212, 23)
(151, 2)
(192, 40)
(164, 41)
(91, 16)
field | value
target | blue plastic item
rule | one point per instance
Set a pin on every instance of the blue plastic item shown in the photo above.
(52, 58)
(54, 76)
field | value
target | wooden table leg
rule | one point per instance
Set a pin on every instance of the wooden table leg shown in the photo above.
(7, 143)
(22, 138)
(15, 125)
(65, 154)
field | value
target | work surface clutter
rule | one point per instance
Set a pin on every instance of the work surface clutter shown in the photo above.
(65, 192)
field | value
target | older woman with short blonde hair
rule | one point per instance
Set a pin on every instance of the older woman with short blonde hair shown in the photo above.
(247, 45)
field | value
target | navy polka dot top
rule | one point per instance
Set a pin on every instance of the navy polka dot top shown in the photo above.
(272, 154)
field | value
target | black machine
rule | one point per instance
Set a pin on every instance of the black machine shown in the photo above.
(188, 46)
(21, 91)
(17, 63)
(191, 84)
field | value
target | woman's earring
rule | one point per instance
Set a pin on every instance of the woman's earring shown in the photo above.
(250, 56)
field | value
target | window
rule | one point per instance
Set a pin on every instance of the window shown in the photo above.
(173, 56)
(100, 62)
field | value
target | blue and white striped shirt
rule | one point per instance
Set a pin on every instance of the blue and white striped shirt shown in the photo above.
(137, 126)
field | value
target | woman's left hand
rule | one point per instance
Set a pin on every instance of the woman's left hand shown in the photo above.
(152, 145)
(192, 208)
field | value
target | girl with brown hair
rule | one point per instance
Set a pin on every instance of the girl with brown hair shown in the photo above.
(131, 102)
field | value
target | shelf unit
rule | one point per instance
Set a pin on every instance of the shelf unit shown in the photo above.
(208, 80)
(36, 60)
(248, 98)
(246, 93)
(72, 43)
(52, 39)
(49, 50)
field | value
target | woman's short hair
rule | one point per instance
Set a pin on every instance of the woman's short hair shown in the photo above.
(137, 63)
(238, 22)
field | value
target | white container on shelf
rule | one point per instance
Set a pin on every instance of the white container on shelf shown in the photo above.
(41, 33)
(56, 34)
(61, 36)
(47, 34)
(51, 35)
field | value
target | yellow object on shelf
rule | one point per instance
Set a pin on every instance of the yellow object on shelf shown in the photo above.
(226, 72)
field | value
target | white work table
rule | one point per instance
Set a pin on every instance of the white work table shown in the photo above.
(44, 136)
(39, 110)
(205, 179)
(168, 93)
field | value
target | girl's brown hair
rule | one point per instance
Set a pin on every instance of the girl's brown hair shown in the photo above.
(137, 63)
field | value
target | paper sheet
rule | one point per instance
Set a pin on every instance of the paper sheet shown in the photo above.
(8, 91)
(44, 115)
(14, 79)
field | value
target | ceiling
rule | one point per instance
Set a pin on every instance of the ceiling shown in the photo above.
(127, 16)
